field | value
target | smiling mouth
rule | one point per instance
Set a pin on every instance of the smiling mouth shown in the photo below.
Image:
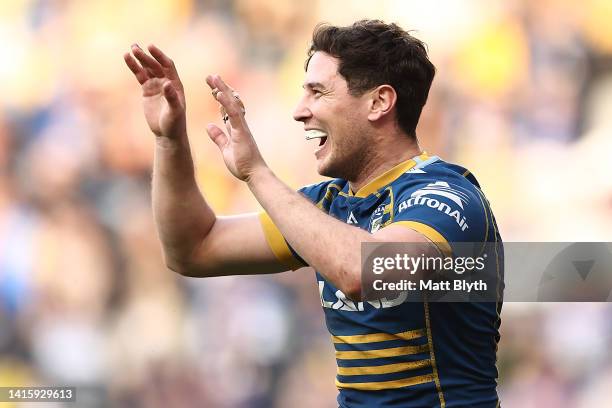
(317, 134)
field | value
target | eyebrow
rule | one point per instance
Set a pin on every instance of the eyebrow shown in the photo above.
(311, 85)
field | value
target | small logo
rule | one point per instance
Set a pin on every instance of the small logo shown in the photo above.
(376, 219)
(442, 188)
(416, 170)
(380, 217)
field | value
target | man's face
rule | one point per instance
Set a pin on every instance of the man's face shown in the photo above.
(340, 119)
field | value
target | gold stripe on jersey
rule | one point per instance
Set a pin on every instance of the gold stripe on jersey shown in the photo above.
(432, 356)
(329, 194)
(388, 177)
(381, 353)
(433, 235)
(384, 369)
(277, 243)
(385, 385)
(377, 337)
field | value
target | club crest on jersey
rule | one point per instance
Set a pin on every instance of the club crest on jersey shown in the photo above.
(427, 196)
(380, 217)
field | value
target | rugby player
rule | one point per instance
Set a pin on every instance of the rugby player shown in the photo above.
(364, 90)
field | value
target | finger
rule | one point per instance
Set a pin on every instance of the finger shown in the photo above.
(233, 107)
(150, 64)
(210, 81)
(165, 61)
(171, 96)
(217, 135)
(137, 70)
(225, 119)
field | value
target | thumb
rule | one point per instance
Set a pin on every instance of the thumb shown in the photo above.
(216, 135)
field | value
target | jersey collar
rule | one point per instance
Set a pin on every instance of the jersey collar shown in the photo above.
(388, 177)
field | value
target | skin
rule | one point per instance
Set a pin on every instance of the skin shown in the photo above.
(364, 140)
(326, 105)
(198, 243)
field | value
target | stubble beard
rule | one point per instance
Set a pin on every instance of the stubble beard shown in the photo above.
(347, 161)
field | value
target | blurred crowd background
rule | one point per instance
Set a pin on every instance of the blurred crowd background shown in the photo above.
(522, 97)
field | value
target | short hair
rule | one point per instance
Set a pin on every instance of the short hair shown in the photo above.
(372, 53)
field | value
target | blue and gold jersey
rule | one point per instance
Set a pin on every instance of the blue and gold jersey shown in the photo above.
(393, 353)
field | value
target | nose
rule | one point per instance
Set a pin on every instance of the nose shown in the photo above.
(301, 112)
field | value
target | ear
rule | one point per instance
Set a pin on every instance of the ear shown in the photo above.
(382, 101)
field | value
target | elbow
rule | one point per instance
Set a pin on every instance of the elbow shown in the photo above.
(182, 267)
(176, 266)
(185, 261)
(193, 268)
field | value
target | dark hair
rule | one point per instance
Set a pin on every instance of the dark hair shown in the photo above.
(374, 53)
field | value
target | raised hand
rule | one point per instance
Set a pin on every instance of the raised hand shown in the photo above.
(240, 152)
(163, 97)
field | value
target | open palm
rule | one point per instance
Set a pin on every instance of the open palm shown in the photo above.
(163, 97)
(240, 152)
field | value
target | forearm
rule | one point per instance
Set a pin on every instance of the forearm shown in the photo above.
(330, 246)
(181, 214)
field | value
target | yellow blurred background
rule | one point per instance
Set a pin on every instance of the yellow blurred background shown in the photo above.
(522, 97)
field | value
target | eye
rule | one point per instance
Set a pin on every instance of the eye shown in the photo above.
(317, 93)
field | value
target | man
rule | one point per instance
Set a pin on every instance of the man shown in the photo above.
(365, 87)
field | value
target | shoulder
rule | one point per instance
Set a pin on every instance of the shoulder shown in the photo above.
(445, 197)
(439, 179)
(437, 170)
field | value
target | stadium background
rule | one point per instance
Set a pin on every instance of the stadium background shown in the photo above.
(522, 97)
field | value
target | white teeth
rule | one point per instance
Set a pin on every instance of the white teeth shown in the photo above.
(315, 134)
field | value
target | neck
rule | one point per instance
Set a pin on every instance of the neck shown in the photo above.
(384, 159)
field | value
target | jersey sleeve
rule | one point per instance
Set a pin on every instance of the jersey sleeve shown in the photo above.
(277, 243)
(445, 211)
(285, 254)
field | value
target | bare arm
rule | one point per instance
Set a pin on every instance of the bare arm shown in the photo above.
(332, 247)
(195, 241)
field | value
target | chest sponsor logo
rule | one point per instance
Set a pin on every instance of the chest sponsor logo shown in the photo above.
(427, 196)
(343, 303)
